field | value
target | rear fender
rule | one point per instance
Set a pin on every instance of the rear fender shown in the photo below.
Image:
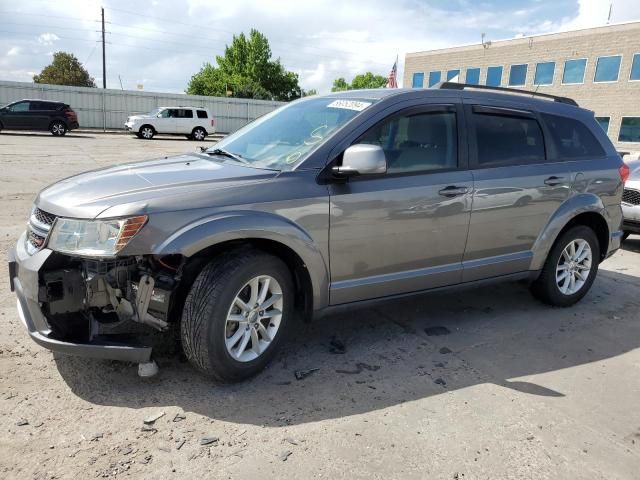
(574, 206)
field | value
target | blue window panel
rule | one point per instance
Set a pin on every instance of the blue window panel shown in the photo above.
(607, 69)
(544, 73)
(453, 73)
(574, 71)
(630, 130)
(494, 76)
(473, 76)
(603, 122)
(518, 75)
(434, 77)
(635, 67)
(418, 80)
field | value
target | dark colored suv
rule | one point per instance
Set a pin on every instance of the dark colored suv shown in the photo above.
(56, 117)
(325, 202)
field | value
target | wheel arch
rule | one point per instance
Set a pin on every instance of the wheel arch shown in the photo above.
(266, 232)
(584, 209)
(147, 125)
(201, 127)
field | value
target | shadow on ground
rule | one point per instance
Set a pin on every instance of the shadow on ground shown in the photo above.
(392, 354)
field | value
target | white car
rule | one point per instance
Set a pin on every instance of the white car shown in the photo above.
(193, 122)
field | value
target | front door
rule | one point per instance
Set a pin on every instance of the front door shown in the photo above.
(17, 116)
(403, 231)
(165, 123)
(518, 187)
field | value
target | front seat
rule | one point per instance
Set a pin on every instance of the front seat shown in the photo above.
(426, 145)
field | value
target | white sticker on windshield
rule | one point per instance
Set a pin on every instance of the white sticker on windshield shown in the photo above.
(356, 105)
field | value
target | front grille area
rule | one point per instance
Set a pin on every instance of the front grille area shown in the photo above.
(43, 217)
(631, 196)
(40, 223)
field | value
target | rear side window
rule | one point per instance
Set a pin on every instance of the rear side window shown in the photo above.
(183, 113)
(505, 140)
(36, 106)
(572, 138)
(202, 114)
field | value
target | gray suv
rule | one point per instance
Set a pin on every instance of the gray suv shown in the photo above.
(327, 201)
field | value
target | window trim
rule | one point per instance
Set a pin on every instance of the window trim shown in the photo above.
(633, 56)
(620, 129)
(470, 112)
(526, 72)
(595, 70)
(553, 77)
(486, 78)
(461, 129)
(466, 73)
(584, 74)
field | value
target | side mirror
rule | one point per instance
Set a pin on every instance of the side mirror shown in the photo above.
(362, 160)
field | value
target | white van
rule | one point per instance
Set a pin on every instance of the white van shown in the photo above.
(193, 122)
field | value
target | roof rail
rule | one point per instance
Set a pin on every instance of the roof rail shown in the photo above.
(463, 86)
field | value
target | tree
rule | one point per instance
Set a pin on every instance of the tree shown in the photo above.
(309, 93)
(365, 80)
(65, 69)
(340, 84)
(247, 71)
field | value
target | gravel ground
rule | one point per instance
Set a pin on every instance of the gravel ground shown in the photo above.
(486, 383)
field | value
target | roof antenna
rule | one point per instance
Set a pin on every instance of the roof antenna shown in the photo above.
(487, 44)
(610, 11)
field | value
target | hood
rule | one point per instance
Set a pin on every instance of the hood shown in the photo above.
(138, 117)
(146, 185)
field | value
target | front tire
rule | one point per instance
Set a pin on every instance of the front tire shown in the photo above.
(58, 129)
(146, 132)
(236, 315)
(570, 268)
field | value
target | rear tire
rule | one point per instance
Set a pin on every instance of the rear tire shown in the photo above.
(58, 128)
(146, 132)
(220, 319)
(199, 134)
(570, 268)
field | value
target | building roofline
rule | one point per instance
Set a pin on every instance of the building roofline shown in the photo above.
(521, 39)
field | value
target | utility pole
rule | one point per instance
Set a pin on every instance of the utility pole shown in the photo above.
(104, 61)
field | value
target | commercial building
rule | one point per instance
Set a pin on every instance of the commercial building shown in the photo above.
(598, 67)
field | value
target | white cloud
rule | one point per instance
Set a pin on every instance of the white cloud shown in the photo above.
(13, 51)
(47, 39)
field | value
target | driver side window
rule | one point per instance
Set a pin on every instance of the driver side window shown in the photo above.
(417, 142)
(165, 113)
(20, 107)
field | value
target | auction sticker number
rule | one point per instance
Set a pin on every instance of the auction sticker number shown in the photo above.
(349, 105)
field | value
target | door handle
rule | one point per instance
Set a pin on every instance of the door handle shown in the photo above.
(453, 191)
(553, 181)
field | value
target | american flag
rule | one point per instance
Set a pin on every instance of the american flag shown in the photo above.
(392, 81)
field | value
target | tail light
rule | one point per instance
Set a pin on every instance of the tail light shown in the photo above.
(213, 122)
(624, 172)
(68, 111)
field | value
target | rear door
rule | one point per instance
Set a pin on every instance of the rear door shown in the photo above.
(40, 114)
(184, 122)
(517, 188)
(17, 116)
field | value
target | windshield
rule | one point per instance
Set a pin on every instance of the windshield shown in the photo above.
(282, 139)
(155, 112)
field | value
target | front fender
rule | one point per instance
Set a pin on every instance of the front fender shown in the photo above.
(242, 225)
(571, 208)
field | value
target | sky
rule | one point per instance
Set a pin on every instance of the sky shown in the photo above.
(161, 44)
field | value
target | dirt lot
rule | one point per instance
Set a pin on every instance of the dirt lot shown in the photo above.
(511, 389)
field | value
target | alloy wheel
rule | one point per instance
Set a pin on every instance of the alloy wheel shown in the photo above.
(574, 266)
(198, 134)
(147, 133)
(254, 318)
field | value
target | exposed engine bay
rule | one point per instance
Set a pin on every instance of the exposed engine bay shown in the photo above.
(84, 298)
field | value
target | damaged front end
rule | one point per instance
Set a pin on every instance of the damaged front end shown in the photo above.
(96, 306)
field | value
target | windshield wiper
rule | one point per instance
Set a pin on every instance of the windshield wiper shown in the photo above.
(224, 153)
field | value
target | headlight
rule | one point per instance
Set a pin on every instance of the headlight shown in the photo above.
(95, 238)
